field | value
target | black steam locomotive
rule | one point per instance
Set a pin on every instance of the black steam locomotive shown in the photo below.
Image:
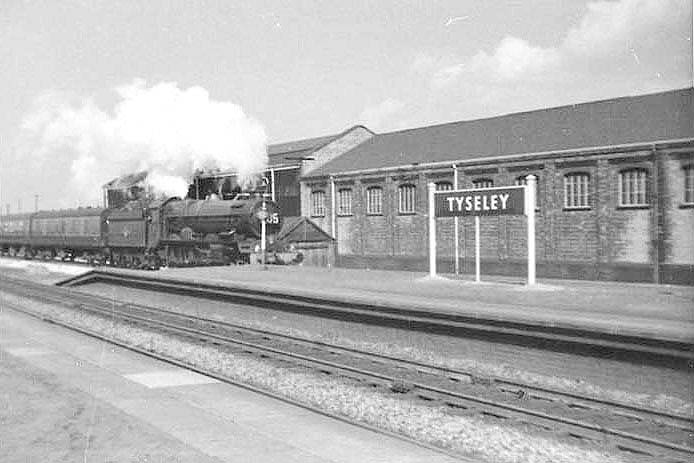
(145, 234)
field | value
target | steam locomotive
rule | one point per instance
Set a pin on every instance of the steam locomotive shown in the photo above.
(172, 232)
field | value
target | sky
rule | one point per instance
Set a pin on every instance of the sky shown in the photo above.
(95, 88)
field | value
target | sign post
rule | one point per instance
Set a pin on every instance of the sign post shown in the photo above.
(477, 202)
(432, 231)
(477, 249)
(456, 227)
(530, 213)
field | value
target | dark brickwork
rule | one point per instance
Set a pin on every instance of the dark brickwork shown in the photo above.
(604, 241)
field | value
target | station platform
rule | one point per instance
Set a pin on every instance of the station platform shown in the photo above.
(135, 408)
(654, 311)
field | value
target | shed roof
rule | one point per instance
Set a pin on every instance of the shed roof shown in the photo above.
(301, 230)
(618, 121)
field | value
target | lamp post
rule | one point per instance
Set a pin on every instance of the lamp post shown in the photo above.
(263, 232)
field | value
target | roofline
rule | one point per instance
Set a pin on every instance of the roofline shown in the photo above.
(499, 116)
(331, 138)
(510, 157)
(340, 135)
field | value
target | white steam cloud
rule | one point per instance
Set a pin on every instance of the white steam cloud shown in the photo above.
(167, 131)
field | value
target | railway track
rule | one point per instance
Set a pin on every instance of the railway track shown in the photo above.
(576, 341)
(644, 434)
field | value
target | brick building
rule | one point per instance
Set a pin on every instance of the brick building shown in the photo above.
(615, 191)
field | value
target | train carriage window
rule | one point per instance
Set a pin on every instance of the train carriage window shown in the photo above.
(374, 200)
(632, 187)
(576, 190)
(318, 203)
(406, 199)
(344, 202)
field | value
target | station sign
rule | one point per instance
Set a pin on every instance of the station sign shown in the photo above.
(480, 202)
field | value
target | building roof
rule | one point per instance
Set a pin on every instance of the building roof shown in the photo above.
(618, 121)
(293, 151)
(278, 152)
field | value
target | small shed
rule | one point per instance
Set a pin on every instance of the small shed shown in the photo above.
(304, 236)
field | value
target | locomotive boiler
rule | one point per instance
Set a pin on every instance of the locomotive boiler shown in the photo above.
(142, 234)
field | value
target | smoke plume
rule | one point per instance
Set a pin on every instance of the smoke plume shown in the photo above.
(163, 129)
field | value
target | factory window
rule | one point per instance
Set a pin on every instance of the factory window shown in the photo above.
(576, 190)
(344, 202)
(406, 199)
(318, 203)
(483, 183)
(689, 184)
(374, 201)
(632, 187)
(444, 186)
(523, 180)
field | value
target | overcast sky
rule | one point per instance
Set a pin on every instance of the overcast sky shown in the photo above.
(310, 68)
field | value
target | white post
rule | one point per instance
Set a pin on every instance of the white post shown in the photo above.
(432, 232)
(477, 249)
(333, 220)
(272, 184)
(530, 213)
(263, 233)
(456, 228)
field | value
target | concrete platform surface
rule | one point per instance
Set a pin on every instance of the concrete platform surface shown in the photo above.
(659, 311)
(224, 422)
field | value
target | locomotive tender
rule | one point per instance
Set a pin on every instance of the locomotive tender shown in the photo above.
(171, 232)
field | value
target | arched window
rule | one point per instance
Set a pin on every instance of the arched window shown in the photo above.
(444, 186)
(632, 187)
(374, 200)
(482, 183)
(406, 199)
(576, 190)
(344, 201)
(318, 203)
(688, 184)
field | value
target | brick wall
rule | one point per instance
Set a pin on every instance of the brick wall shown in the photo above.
(602, 241)
(679, 219)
